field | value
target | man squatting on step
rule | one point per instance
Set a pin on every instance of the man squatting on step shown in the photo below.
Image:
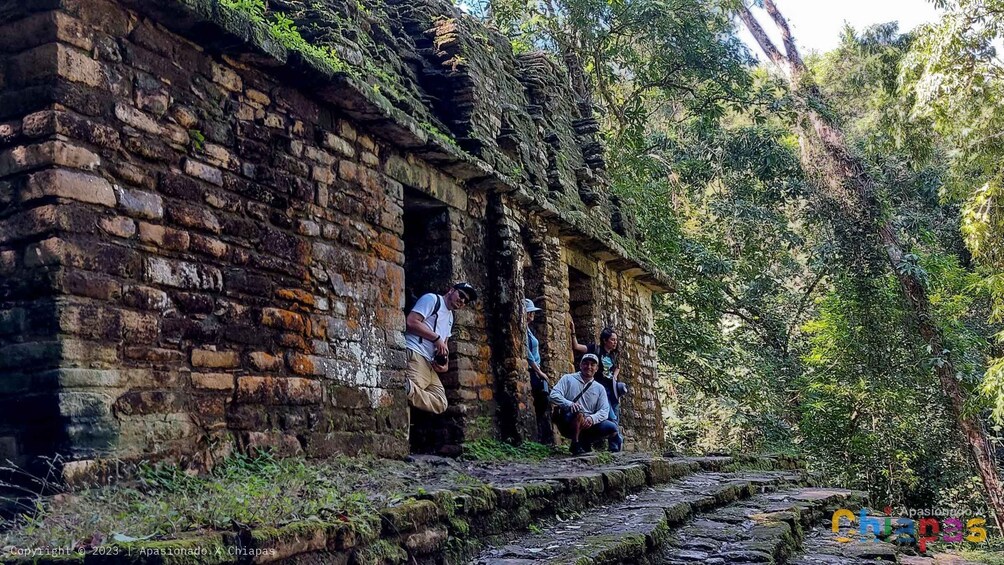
(578, 393)
(429, 326)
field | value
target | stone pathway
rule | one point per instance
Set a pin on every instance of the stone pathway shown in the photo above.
(763, 529)
(821, 548)
(632, 531)
(713, 518)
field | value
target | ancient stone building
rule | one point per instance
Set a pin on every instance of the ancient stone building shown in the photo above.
(209, 230)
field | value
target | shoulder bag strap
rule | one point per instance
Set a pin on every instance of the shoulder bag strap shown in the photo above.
(583, 391)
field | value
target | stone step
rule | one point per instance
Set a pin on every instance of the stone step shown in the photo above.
(766, 528)
(628, 531)
(822, 548)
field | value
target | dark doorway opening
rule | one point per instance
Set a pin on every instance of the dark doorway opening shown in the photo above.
(582, 306)
(427, 268)
(533, 288)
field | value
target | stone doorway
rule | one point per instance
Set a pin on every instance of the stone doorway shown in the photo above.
(534, 289)
(427, 268)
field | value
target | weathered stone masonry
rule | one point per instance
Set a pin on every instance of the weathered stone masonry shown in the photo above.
(203, 234)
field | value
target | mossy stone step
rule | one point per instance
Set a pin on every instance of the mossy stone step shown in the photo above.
(627, 531)
(822, 548)
(766, 528)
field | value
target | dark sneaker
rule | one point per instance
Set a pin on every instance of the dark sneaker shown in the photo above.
(576, 449)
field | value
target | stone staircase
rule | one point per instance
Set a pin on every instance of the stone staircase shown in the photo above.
(718, 517)
(710, 517)
(706, 517)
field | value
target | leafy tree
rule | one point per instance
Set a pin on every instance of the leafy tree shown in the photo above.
(953, 82)
(851, 190)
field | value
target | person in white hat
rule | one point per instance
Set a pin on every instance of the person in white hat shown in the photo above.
(578, 393)
(540, 383)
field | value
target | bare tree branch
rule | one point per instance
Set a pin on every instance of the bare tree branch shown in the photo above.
(766, 45)
(794, 59)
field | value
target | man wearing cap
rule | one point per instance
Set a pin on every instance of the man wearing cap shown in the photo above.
(430, 325)
(578, 393)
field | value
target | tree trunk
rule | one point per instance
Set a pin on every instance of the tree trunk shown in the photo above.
(847, 185)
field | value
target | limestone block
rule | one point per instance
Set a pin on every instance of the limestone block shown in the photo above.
(118, 226)
(278, 390)
(213, 381)
(339, 145)
(203, 171)
(85, 405)
(57, 153)
(282, 445)
(226, 77)
(168, 238)
(284, 319)
(265, 362)
(208, 245)
(215, 359)
(137, 119)
(192, 216)
(182, 274)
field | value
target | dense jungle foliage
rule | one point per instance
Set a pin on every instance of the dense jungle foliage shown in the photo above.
(788, 330)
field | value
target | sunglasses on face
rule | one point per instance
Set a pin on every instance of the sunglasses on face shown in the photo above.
(463, 297)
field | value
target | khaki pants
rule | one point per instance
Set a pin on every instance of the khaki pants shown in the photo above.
(427, 392)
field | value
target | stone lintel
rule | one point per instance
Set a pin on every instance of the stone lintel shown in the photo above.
(582, 262)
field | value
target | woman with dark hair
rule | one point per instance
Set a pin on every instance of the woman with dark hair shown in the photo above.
(607, 375)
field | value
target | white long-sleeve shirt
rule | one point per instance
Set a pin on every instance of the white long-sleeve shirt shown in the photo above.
(594, 401)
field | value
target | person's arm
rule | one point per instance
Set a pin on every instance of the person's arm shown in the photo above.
(415, 323)
(536, 369)
(558, 394)
(576, 346)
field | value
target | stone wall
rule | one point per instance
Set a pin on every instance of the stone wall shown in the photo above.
(202, 236)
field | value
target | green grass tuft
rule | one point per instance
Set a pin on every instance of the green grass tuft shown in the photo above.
(495, 450)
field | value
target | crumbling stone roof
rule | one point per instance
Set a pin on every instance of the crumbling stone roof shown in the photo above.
(437, 82)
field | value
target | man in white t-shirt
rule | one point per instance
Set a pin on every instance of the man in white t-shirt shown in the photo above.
(430, 325)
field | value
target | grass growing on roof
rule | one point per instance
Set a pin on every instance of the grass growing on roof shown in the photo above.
(282, 28)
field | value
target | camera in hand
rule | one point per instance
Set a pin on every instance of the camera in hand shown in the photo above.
(441, 359)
